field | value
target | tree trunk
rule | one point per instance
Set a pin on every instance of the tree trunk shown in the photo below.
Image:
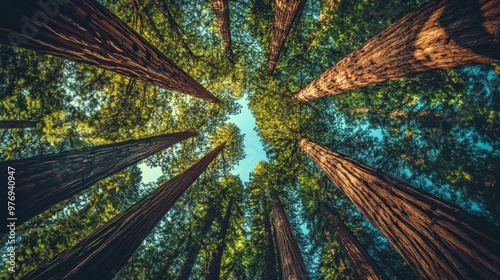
(85, 31)
(221, 10)
(360, 260)
(215, 262)
(16, 124)
(43, 181)
(284, 16)
(102, 254)
(437, 239)
(270, 264)
(292, 264)
(438, 35)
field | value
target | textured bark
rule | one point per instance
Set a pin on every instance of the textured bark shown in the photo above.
(360, 260)
(85, 31)
(438, 35)
(270, 264)
(106, 250)
(437, 239)
(43, 181)
(284, 16)
(16, 124)
(221, 10)
(292, 264)
(215, 262)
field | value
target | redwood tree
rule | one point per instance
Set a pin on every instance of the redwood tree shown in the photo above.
(106, 250)
(45, 180)
(215, 262)
(437, 239)
(16, 124)
(85, 31)
(292, 264)
(284, 15)
(221, 10)
(441, 34)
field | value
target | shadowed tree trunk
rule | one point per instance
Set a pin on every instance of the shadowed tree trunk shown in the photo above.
(437, 239)
(102, 254)
(438, 35)
(215, 262)
(360, 260)
(270, 264)
(292, 264)
(284, 16)
(85, 31)
(43, 181)
(221, 10)
(16, 124)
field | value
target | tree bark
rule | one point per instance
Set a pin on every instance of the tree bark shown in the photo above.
(85, 31)
(270, 264)
(360, 260)
(16, 124)
(284, 16)
(292, 264)
(437, 239)
(102, 254)
(215, 262)
(43, 181)
(221, 10)
(438, 35)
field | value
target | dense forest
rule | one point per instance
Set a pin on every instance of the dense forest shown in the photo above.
(380, 121)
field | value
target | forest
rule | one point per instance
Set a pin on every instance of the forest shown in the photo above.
(379, 120)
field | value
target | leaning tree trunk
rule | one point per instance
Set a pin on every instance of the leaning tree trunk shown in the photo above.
(437, 239)
(221, 10)
(85, 31)
(215, 262)
(360, 260)
(16, 124)
(441, 34)
(106, 250)
(292, 264)
(284, 16)
(43, 181)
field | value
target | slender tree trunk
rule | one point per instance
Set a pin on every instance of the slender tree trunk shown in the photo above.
(360, 260)
(284, 16)
(437, 239)
(16, 124)
(441, 34)
(85, 31)
(292, 264)
(215, 262)
(102, 254)
(43, 181)
(221, 10)
(270, 264)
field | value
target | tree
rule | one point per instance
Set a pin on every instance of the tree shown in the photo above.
(215, 262)
(292, 264)
(45, 180)
(108, 248)
(87, 32)
(437, 239)
(16, 124)
(438, 35)
(221, 10)
(284, 15)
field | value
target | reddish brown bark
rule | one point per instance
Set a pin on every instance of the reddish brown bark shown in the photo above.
(215, 262)
(270, 271)
(438, 35)
(16, 124)
(284, 16)
(360, 260)
(106, 250)
(221, 10)
(437, 239)
(43, 181)
(292, 264)
(85, 31)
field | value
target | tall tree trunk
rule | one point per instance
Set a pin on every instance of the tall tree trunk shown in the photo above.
(102, 254)
(215, 262)
(85, 31)
(284, 16)
(360, 260)
(43, 181)
(441, 34)
(221, 10)
(16, 124)
(292, 264)
(437, 239)
(270, 272)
